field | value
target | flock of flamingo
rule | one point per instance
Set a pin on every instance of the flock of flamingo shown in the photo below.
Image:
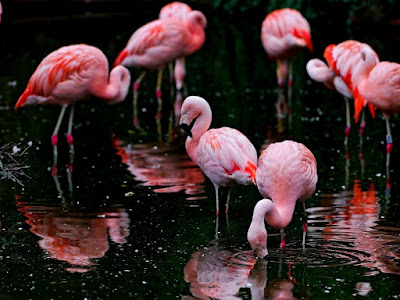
(286, 172)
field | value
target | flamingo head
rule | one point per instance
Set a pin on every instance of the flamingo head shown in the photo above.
(257, 237)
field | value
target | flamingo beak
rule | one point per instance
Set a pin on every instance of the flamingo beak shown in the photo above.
(187, 128)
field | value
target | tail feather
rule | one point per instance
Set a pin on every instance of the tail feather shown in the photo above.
(329, 57)
(120, 58)
(358, 104)
(22, 99)
(251, 168)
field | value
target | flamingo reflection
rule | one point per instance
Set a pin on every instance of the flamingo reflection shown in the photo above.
(161, 165)
(353, 221)
(75, 237)
(219, 272)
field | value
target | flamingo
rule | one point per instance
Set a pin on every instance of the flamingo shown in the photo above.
(70, 74)
(158, 43)
(284, 33)
(341, 74)
(379, 84)
(286, 173)
(224, 154)
(1, 11)
(177, 10)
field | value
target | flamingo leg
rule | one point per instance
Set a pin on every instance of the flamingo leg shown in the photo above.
(70, 139)
(348, 124)
(227, 200)
(305, 226)
(389, 147)
(159, 103)
(216, 199)
(283, 241)
(136, 85)
(389, 141)
(54, 137)
(362, 127)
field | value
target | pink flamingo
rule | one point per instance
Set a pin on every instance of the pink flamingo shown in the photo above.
(70, 74)
(158, 43)
(224, 154)
(341, 74)
(284, 33)
(1, 11)
(286, 173)
(177, 10)
(379, 85)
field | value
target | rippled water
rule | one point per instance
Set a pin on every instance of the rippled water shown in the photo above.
(132, 216)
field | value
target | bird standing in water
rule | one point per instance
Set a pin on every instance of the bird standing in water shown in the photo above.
(159, 43)
(341, 74)
(224, 154)
(70, 74)
(286, 174)
(176, 10)
(379, 84)
(285, 33)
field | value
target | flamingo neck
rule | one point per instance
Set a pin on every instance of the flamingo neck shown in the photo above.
(201, 124)
(367, 64)
(118, 86)
(277, 217)
(197, 22)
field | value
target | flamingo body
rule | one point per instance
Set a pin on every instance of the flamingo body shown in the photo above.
(72, 73)
(344, 59)
(381, 87)
(161, 41)
(177, 10)
(286, 174)
(284, 33)
(225, 155)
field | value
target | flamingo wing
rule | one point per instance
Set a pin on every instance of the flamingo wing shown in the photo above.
(64, 75)
(225, 155)
(155, 44)
(345, 60)
(281, 23)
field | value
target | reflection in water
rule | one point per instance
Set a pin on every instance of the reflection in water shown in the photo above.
(158, 164)
(73, 236)
(220, 272)
(354, 232)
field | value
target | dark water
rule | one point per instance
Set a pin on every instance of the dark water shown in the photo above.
(133, 217)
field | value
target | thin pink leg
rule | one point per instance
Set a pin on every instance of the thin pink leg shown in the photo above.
(54, 137)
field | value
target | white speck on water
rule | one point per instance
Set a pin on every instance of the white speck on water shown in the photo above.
(144, 109)
(378, 175)
(155, 147)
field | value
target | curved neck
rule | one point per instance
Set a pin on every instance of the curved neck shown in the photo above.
(197, 22)
(277, 217)
(202, 123)
(117, 87)
(367, 64)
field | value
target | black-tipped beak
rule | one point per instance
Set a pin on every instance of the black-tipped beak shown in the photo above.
(186, 128)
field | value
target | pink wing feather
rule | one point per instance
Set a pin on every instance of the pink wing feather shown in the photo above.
(68, 66)
(344, 59)
(227, 151)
